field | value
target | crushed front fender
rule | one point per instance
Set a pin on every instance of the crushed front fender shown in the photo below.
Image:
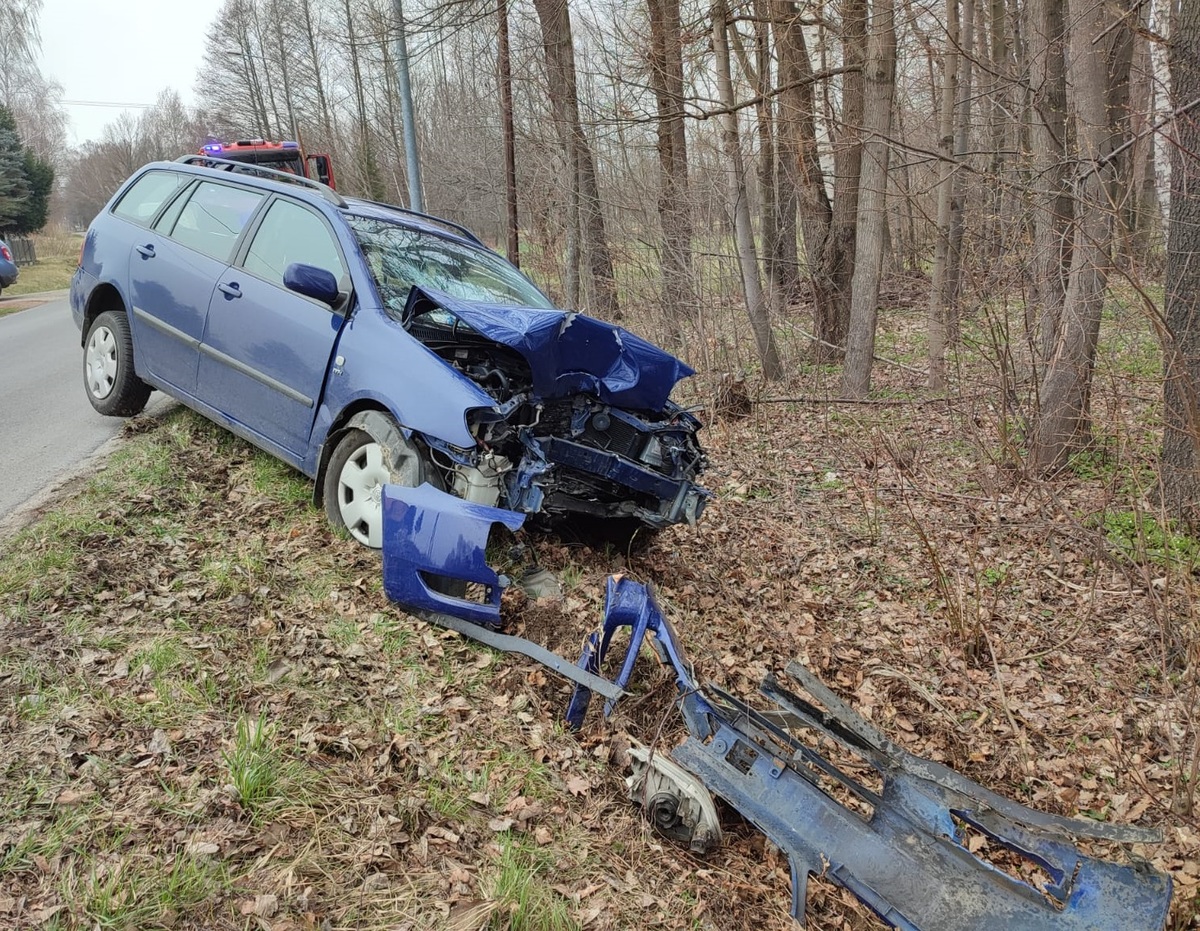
(435, 543)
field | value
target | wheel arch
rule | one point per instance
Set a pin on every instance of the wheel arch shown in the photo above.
(367, 415)
(104, 297)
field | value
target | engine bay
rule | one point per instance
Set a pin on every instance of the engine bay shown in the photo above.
(569, 455)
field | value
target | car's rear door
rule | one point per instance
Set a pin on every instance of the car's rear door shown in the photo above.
(173, 271)
(266, 349)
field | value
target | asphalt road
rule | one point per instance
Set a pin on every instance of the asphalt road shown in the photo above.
(49, 433)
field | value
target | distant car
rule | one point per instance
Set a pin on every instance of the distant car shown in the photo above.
(8, 267)
(365, 344)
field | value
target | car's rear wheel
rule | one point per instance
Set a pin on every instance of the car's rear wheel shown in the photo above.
(358, 470)
(112, 384)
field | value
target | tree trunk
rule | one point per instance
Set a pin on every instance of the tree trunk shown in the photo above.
(674, 208)
(872, 207)
(756, 306)
(1181, 436)
(999, 98)
(555, 19)
(798, 147)
(939, 298)
(318, 83)
(1142, 217)
(958, 182)
(504, 63)
(1053, 208)
(764, 111)
(1101, 48)
(368, 168)
(832, 319)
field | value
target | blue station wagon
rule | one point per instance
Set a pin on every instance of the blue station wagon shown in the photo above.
(365, 344)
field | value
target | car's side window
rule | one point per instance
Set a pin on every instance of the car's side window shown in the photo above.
(214, 217)
(292, 233)
(141, 202)
(168, 217)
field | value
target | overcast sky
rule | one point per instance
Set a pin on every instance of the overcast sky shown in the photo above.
(121, 52)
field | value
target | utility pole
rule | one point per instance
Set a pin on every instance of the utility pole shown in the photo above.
(416, 192)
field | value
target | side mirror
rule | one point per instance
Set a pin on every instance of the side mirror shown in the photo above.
(313, 282)
(320, 168)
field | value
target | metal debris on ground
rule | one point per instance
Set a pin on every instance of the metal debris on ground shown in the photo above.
(914, 850)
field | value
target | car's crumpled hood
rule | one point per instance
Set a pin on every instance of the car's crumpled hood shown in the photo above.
(569, 353)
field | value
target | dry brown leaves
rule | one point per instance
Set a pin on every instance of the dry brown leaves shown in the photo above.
(974, 617)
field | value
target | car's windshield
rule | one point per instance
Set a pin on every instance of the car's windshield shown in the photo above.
(400, 257)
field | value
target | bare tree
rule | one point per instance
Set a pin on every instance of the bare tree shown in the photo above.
(1101, 53)
(674, 208)
(1053, 207)
(1181, 397)
(799, 153)
(832, 318)
(756, 305)
(941, 295)
(504, 73)
(880, 71)
(555, 19)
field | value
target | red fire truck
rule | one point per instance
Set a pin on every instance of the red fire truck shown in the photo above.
(282, 156)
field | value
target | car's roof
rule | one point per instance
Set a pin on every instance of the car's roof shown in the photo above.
(319, 195)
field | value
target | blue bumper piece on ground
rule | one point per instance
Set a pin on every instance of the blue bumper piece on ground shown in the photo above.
(903, 851)
(429, 535)
(915, 850)
(630, 604)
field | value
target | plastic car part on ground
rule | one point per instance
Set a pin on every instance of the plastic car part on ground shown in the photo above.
(904, 850)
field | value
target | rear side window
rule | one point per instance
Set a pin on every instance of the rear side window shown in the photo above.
(141, 202)
(291, 233)
(214, 217)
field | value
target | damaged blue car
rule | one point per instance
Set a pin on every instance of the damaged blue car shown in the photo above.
(365, 345)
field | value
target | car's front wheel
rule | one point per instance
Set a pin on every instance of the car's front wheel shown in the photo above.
(358, 470)
(112, 385)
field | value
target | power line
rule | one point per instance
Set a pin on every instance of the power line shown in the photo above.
(106, 103)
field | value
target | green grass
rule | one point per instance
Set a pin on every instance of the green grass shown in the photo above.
(138, 891)
(523, 884)
(1143, 539)
(263, 776)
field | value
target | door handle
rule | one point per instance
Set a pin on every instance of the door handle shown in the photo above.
(230, 290)
(147, 250)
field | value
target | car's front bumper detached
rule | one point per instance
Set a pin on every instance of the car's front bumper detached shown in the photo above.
(912, 843)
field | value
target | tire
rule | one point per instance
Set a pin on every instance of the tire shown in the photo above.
(108, 376)
(354, 480)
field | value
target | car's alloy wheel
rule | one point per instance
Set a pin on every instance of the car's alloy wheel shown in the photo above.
(112, 385)
(101, 362)
(359, 469)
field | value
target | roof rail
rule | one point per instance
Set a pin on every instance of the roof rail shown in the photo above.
(449, 224)
(249, 168)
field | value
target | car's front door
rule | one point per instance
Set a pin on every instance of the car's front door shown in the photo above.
(266, 349)
(173, 270)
